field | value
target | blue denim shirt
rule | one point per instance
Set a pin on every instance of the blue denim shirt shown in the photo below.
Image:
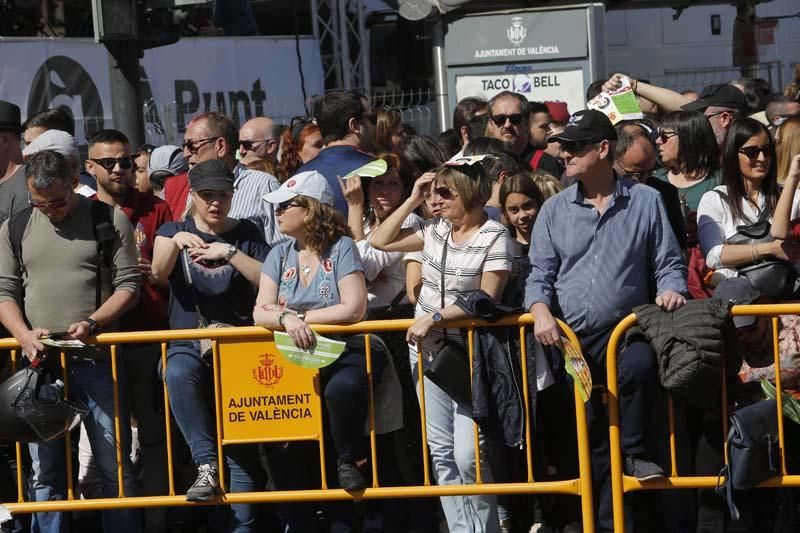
(593, 269)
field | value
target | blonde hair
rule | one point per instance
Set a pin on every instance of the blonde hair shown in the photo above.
(788, 146)
(547, 183)
(474, 188)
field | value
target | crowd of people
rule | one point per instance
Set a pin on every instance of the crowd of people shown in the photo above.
(521, 206)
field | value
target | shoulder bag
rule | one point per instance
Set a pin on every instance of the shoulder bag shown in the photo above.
(202, 323)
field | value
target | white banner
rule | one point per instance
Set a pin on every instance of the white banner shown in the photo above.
(564, 86)
(240, 76)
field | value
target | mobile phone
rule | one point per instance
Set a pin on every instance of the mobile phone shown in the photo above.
(56, 335)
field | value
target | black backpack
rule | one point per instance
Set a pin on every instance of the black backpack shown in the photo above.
(102, 228)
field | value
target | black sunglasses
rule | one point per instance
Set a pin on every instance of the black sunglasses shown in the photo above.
(296, 126)
(283, 206)
(248, 145)
(664, 136)
(109, 163)
(444, 193)
(194, 145)
(751, 152)
(576, 147)
(500, 120)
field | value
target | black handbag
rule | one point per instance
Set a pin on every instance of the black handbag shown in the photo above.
(753, 450)
(773, 278)
(449, 369)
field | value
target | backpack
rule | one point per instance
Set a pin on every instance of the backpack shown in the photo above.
(102, 228)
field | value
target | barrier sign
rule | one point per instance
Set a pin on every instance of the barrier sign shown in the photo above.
(265, 397)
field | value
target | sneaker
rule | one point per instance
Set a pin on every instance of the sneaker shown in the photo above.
(642, 469)
(206, 486)
(350, 477)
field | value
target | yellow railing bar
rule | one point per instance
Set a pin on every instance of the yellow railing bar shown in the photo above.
(167, 421)
(68, 442)
(673, 454)
(526, 403)
(426, 469)
(778, 392)
(218, 407)
(475, 431)
(371, 414)
(117, 426)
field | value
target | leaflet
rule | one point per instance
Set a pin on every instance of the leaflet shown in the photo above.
(325, 352)
(577, 368)
(618, 105)
(370, 170)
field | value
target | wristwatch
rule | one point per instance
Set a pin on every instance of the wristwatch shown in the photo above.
(232, 250)
(437, 317)
(302, 316)
(94, 327)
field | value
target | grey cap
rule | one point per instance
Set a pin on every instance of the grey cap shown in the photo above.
(167, 158)
(311, 184)
(55, 140)
(738, 291)
(212, 175)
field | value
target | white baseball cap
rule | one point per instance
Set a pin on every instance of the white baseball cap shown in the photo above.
(311, 184)
(55, 140)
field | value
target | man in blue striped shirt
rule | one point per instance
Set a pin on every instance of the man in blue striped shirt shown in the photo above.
(594, 248)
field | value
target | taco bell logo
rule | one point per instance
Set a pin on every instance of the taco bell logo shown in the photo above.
(522, 84)
(517, 32)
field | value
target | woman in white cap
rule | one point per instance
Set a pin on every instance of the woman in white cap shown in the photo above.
(212, 263)
(316, 277)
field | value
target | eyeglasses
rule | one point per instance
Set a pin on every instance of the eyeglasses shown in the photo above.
(500, 120)
(444, 193)
(717, 113)
(576, 147)
(286, 205)
(53, 204)
(751, 152)
(194, 145)
(640, 175)
(109, 163)
(664, 135)
(248, 145)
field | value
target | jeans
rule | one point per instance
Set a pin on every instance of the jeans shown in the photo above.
(451, 441)
(189, 383)
(91, 383)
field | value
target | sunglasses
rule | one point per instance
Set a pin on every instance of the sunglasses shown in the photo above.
(641, 176)
(248, 145)
(283, 206)
(575, 147)
(444, 193)
(500, 120)
(53, 204)
(194, 145)
(751, 152)
(664, 136)
(109, 163)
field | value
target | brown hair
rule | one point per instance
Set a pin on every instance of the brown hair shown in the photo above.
(788, 145)
(405, 170)
(474, 188)
(324, 225)
(388, 119)
(291, 145)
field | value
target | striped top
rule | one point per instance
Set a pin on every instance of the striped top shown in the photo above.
(249, 187)
(488, 250)
(593, 269)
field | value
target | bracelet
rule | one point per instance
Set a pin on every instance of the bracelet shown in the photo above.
(754, 253)
(634, 85)
(281, 317)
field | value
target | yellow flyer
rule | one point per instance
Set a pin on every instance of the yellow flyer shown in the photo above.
(577, 368)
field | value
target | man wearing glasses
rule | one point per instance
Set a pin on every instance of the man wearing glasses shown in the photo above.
(13, 192)
(594, 248)
(257, 142)
(71, 285)
(214, 136)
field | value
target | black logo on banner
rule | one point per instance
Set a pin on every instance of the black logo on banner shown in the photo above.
(62, 82)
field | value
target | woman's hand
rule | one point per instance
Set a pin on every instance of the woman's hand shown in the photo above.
(615, 82)
(794, 169)
(299, 331)
(419, 329)
(215, 251)
(422, 187)
(353, 191)
(184, 239)
(787, 250)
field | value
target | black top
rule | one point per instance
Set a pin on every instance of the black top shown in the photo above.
(672, 202)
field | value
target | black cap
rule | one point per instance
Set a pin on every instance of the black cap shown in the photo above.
(212, 175)
(587, 125)
(722, 95)
(738, 291)
(10, 118)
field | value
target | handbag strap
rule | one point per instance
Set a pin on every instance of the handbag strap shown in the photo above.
(763, 214)
(444, 261)
(187, 275)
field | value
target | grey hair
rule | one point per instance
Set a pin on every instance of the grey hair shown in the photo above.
(47, 167)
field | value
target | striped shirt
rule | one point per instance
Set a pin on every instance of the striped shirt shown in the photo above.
(592, 269)
(249, 187)
(488, 250)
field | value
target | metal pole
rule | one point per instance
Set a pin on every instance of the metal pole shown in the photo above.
(363, 37)
(127, 104)
(344, 43)
(440, 76)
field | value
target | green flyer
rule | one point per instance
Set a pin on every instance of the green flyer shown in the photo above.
(325, 352)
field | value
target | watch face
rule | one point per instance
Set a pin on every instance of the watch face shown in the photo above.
(437, 316)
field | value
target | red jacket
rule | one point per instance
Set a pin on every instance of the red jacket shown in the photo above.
(176, 192)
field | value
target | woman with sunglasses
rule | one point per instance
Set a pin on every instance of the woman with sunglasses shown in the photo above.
(317, 277)
(300, 143)
(749, 186)
(212, 263)
(463, 251)
(690, 161)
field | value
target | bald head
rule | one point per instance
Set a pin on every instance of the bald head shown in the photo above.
(257, 141)
(636, 155)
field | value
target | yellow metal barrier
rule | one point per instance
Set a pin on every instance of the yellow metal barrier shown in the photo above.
(622, 484)
(224, 339)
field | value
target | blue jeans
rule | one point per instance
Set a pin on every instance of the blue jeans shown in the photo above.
(451, 441)
(190, 386)
(91, 383)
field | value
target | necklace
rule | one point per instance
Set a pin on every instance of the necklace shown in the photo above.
(306, 269)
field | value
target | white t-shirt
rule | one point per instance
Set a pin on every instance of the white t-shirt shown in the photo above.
(385, 271)
(488, 250)
(715, 224)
